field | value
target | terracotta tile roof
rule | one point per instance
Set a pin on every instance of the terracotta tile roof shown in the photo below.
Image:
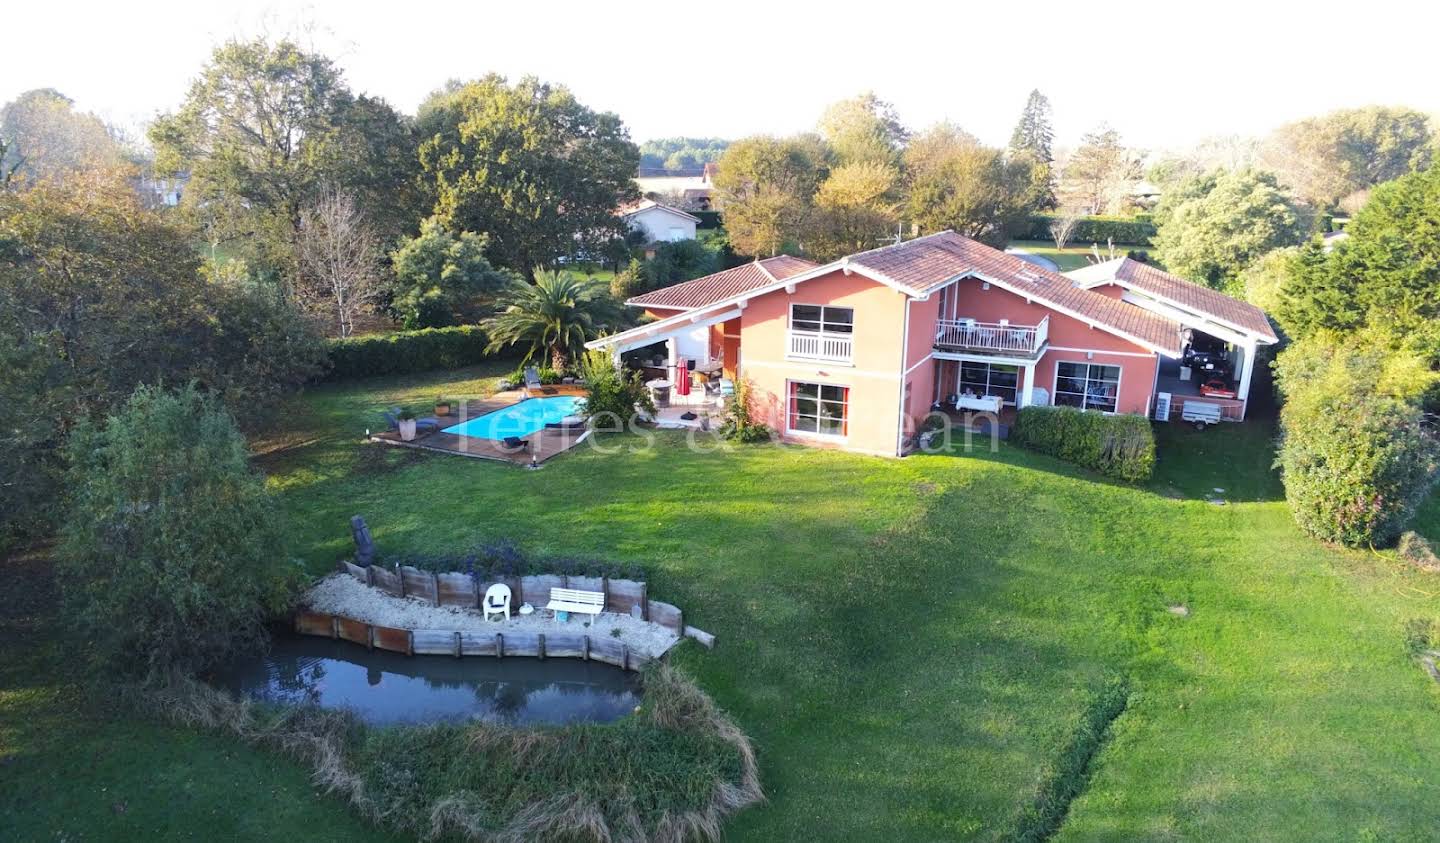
(928, 263)
(723, 285)
(1194, 297)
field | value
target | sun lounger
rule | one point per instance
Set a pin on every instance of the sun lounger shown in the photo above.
(428, 424)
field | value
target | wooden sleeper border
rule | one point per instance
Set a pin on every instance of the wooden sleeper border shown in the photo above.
(604, 649)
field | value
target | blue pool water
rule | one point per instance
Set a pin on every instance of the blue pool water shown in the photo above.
(520, 419)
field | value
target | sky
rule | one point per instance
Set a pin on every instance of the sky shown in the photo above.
(1165, 74)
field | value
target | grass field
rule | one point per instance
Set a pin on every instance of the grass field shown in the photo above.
(914, 645)
(1074, 255)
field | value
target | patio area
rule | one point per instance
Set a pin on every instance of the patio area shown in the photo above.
(542, 445)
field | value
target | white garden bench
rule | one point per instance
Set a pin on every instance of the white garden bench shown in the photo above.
(573, 600)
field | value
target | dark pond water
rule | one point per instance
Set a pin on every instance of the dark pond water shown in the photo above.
(386, 688)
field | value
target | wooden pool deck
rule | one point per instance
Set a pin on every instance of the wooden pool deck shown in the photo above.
(543, 444)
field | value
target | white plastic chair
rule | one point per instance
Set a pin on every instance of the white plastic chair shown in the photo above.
(497, 600)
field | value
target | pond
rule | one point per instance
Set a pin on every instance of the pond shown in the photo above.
(390, 688)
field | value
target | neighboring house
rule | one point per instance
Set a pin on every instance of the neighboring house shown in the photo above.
(156, 191)
(693, 188)
(659, 223)
(857, 352)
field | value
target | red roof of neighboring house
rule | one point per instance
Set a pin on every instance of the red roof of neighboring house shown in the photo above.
(1186, 294)
(928, 263)
(723, 285)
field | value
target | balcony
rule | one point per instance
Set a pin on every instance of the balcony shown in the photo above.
(999, 338)
(826, 346)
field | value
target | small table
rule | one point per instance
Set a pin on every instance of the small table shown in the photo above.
(527, 609)
(983, 403)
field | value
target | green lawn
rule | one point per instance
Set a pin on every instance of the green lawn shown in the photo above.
(912, 644)
(1074, 255)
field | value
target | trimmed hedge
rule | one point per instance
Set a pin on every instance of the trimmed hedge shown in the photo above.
(404, 352)
(1130, 231)
(1122, 447)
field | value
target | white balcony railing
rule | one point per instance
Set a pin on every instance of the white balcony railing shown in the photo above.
(968, 334)
(822, 345)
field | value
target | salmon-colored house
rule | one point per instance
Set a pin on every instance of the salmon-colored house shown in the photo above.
(857, 352)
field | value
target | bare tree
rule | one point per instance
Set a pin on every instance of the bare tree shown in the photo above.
(1066, 218)
(1110, 254)
(339, 259)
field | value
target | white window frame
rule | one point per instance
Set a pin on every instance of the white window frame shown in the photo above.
(790, 428)
(1085, 398)
(989, 372)
(822, 321)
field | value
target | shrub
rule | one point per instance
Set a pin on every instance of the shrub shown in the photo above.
(1122, 447)
(613, 391)
(437, 276)
(171, 552)
(739, 426)
(1417, 551)
(404, 352)
(1130, 231)
(1355, 458)
(547, 375)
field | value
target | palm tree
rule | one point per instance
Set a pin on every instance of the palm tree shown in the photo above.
(556, 314)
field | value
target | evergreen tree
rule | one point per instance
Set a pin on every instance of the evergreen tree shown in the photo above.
(1031, 143)
(1034, 134)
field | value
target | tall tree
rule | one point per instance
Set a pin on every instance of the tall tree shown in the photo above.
(855, 209)
(99, 294)
(1324, 159)
(1212, 227)
(339, 260)
(42, 136)
(527, 164)
(1385, 276)
(863, 130)
(1033, 138)
(1100, 173)
(1034, 133)
(555, 316)
(438, 276)
(958, 183)
(264, 129)
(766, 188)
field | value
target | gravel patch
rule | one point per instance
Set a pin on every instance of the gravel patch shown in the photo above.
(342, 594)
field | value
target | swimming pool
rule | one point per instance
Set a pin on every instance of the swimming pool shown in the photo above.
(520, 419)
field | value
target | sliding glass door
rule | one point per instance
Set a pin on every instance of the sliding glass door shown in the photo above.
(989, 379)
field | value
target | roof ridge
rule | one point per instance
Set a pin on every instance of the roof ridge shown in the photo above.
(909, 242)
(765, 269)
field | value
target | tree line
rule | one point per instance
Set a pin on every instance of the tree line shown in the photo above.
(1359, 365)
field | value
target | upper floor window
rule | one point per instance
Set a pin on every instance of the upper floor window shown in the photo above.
(818, 318)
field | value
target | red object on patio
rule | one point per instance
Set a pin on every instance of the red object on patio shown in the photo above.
(682, 378)
(1216, 388)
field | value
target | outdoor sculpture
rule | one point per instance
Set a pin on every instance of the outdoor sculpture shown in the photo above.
(364, 545)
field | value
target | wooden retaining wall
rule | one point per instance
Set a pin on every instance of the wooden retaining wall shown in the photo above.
(445, 642)
(457, 589)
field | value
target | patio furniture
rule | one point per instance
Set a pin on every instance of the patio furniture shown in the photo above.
(533, 386)
(983, 403)
(497, 601)
(428, 424)
(574, 600)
